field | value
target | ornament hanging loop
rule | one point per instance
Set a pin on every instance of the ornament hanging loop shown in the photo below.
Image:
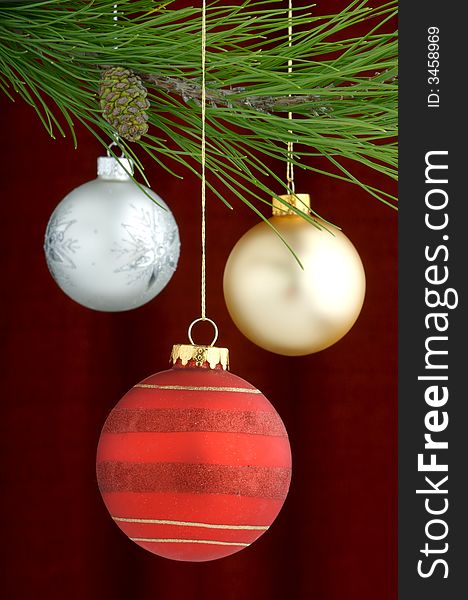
(117, 145)
(215, 327)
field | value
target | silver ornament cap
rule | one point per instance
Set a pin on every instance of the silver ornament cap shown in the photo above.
(117, 169)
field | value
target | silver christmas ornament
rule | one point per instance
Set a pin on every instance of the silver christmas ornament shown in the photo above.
(108, 245)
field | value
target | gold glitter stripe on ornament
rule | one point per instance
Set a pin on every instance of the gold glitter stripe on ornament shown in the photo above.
(192, 388)
(192, 524)
(177, 541)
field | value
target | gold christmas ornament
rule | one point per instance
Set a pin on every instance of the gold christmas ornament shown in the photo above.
(278, 305)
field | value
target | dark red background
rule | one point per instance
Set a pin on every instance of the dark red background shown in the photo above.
(64, 368)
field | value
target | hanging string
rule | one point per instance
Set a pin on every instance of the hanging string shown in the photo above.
(203, 162)
(115, 18)
(203, 316)
(289, 162)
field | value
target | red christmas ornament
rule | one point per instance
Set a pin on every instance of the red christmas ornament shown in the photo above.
(194, 462)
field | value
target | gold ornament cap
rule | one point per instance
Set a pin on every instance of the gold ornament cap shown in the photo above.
(299, 201)
(211, 355)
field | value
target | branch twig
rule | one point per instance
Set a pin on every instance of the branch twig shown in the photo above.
(191, 90)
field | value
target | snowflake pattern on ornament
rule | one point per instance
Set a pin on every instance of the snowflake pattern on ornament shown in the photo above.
(148, 246)
(58, 247)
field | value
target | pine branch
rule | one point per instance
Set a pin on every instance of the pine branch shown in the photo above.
(51, 54)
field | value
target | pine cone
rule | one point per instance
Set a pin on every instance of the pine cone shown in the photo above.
(124, 103)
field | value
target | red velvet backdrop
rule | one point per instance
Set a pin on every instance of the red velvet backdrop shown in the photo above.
(64, 368)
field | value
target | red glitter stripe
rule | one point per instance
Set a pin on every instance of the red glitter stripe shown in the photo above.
(162, 420)
(262, 482)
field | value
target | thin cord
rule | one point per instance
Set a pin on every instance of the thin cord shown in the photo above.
(203, 162)
(203, 184)
(115, 18)
(289, 163)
